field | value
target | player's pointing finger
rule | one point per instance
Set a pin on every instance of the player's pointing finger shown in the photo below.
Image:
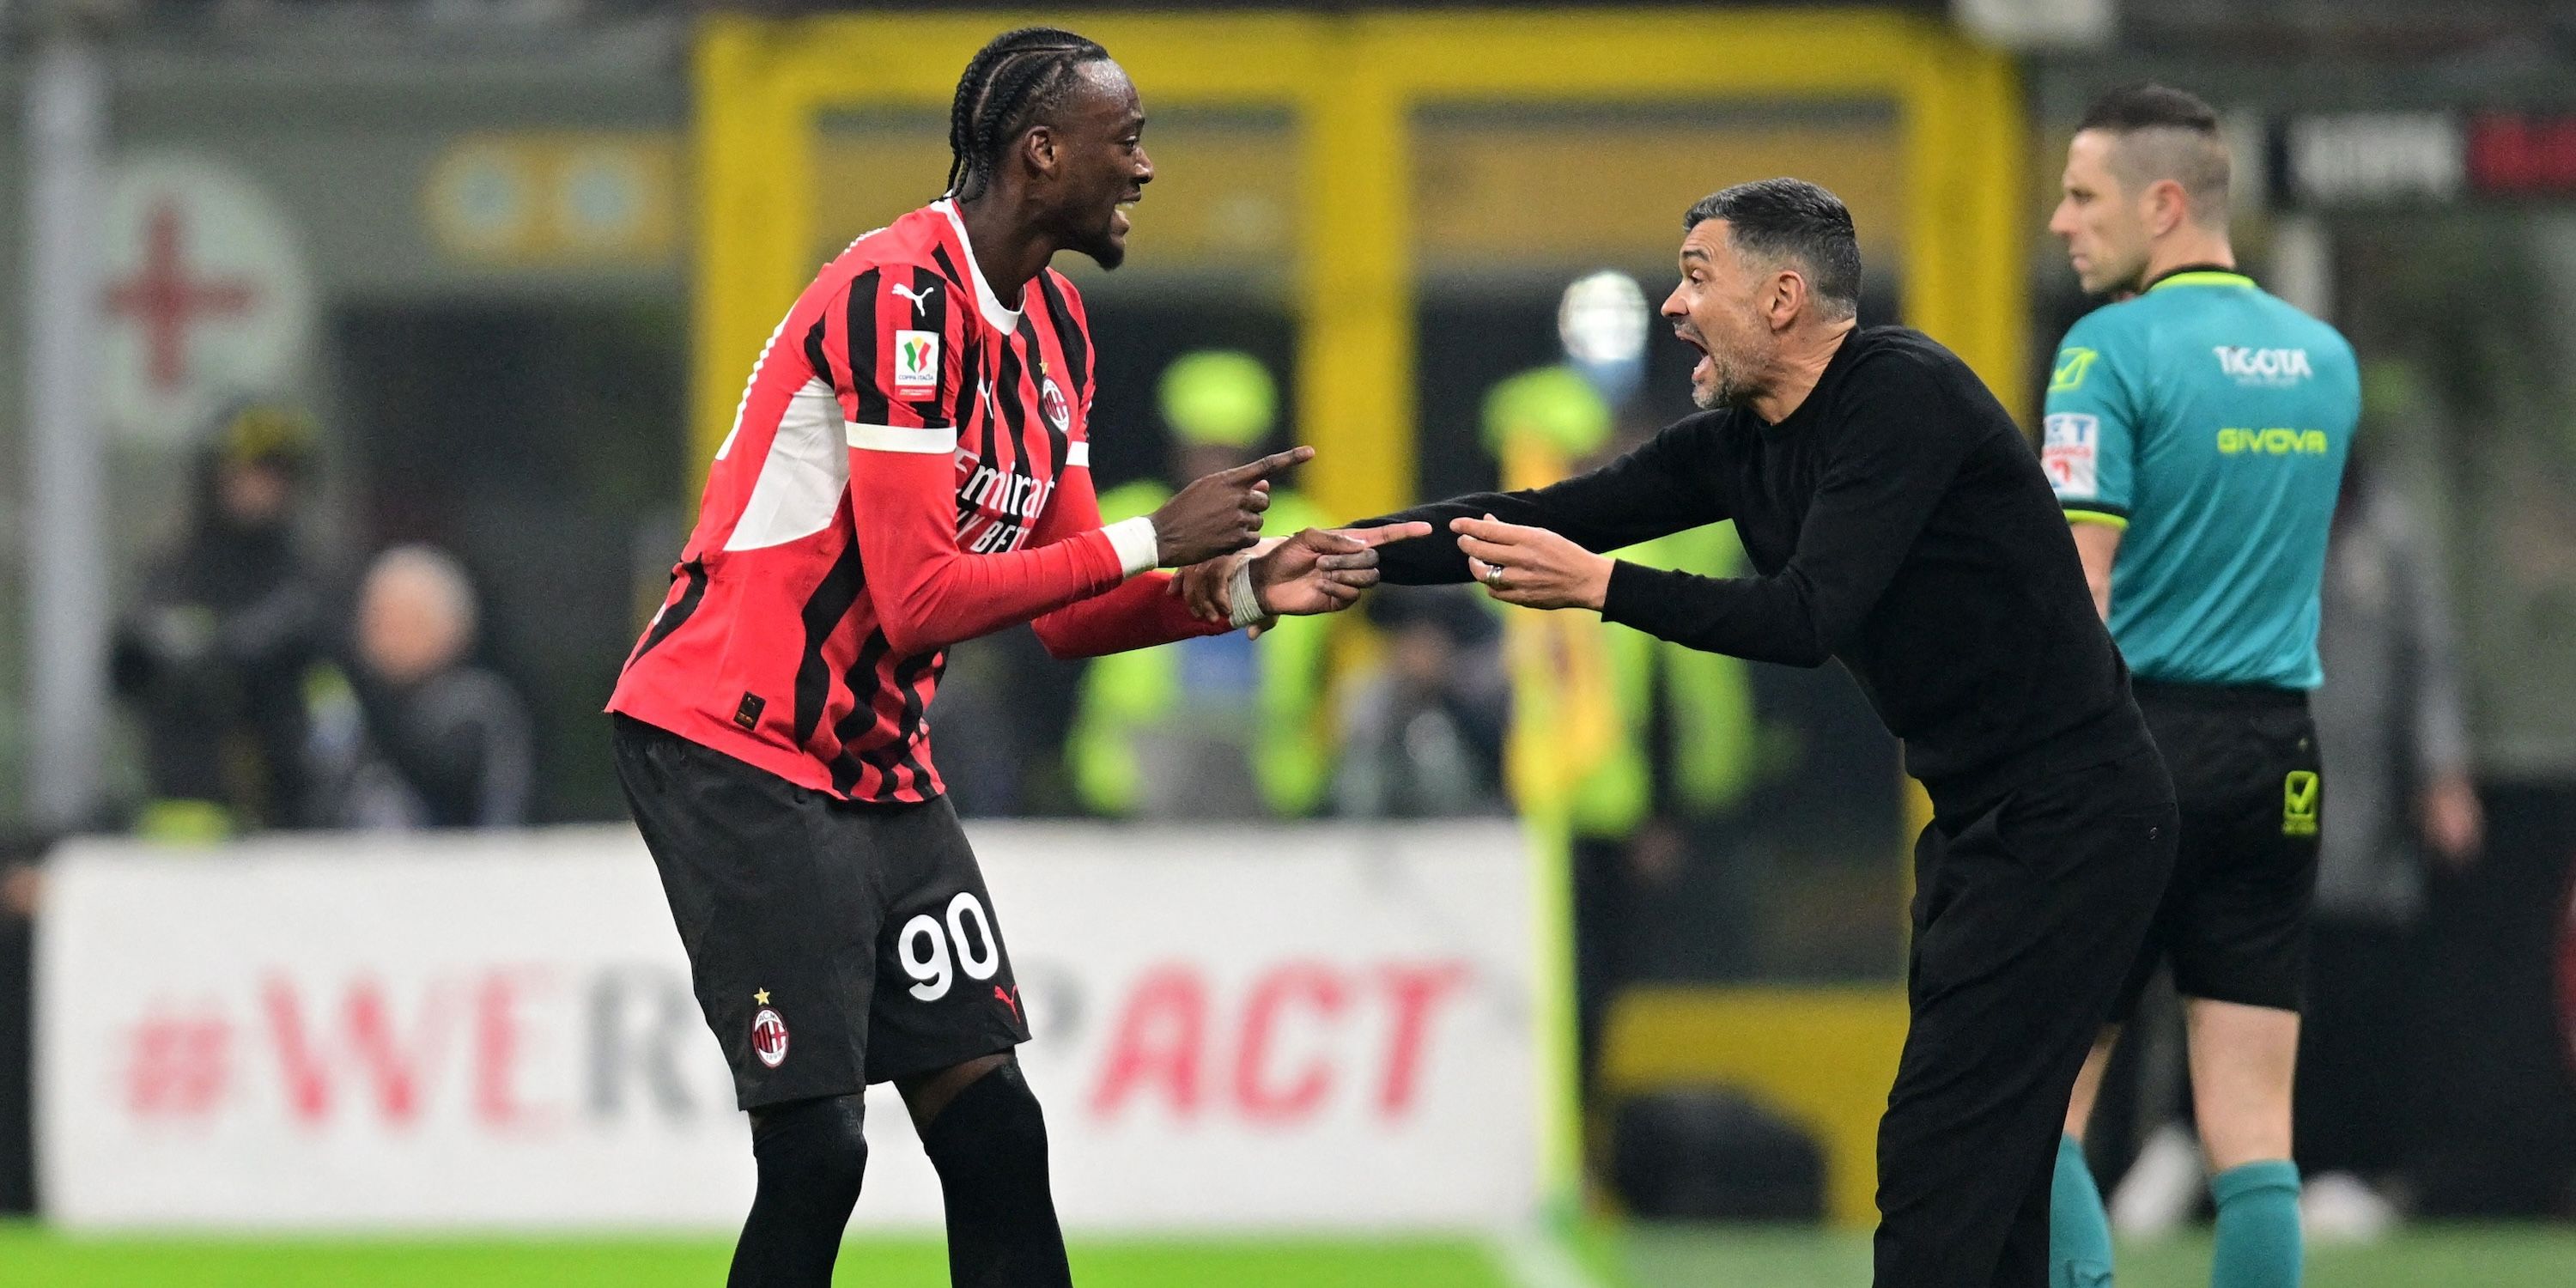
(1269, 465)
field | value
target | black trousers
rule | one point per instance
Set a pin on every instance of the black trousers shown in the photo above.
(2500, 1139)
(2027, 913)
(2361, 1090)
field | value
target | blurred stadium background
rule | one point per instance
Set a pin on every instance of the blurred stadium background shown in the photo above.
(358, 363)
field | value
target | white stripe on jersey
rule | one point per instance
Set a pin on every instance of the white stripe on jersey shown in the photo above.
(903, 438)
(802, 479)
(1077, 455)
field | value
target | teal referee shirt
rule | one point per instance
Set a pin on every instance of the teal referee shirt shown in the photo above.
(2210, 421)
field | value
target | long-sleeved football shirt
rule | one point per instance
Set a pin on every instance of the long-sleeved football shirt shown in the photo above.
(909, 468)
(1896, 521)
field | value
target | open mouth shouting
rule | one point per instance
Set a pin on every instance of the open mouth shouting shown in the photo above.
(1704, 370)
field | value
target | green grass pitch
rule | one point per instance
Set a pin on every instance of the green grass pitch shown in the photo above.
(2484, 1256)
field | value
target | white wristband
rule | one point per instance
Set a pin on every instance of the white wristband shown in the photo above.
(1242, 598)
(1139, 547)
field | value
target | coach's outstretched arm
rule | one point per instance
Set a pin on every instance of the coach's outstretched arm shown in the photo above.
(1638, 497)
(1313, 572)
(1642, 495)
(1319, 570)
(1886, 465)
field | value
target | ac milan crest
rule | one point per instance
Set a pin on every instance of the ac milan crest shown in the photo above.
(1058, 412)
(769, 1037)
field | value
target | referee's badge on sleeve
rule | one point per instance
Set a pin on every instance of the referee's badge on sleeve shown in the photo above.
(2070, 451)
(916, 362)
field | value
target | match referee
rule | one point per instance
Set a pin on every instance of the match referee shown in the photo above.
(2196, 434)
(1898, 523)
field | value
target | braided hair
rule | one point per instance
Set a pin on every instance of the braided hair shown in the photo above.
(1013, 81)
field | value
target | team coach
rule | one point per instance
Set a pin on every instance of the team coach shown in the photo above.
(1899, 523)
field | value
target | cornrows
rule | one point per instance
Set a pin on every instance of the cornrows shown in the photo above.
(1008, 85)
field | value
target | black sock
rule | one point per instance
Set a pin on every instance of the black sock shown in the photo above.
(990, 1147)
(811, 1155)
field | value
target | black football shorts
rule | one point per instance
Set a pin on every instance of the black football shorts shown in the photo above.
(2234, 921)
(831, 944)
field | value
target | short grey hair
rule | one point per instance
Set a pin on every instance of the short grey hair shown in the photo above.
(1794, 220)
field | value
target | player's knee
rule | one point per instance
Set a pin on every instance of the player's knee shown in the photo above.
(819, 1145)
(995, 1117)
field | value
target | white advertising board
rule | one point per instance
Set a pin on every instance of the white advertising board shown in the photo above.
(1287, 1029)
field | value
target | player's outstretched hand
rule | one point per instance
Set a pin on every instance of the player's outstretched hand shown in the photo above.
(1206, 587)
(1323, 570)
(1316, 571)
(1220, 513)
(1532, 567)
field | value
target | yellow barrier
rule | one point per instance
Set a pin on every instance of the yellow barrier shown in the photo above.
(1824, 1056)
(1351, 85)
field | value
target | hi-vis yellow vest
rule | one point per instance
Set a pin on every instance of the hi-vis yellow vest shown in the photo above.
(1125, 693)
(1583, 694)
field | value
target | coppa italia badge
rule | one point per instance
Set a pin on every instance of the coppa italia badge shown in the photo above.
(768, 1035)
(916, 362)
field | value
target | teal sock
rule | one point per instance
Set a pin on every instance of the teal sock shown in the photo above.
(2079, 1231)
(2258, 1226)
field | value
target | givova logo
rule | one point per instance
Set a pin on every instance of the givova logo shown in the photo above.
(2263, 366)
(2276, 441)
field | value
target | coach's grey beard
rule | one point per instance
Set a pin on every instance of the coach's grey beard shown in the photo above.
(1729, 392)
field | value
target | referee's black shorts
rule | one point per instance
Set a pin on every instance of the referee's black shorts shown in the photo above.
(2234, 922)
(831, 944)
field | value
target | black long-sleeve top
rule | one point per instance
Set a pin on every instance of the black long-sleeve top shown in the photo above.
(1898, 522)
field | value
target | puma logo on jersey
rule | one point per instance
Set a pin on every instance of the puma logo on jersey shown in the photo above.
(920, 300)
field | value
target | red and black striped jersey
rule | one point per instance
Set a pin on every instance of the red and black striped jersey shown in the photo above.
(908, 468)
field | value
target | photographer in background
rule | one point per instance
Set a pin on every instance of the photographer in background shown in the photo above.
(214, 652)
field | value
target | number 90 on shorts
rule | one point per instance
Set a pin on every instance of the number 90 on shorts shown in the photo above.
(934, 952)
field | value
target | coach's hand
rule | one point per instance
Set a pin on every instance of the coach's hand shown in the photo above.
(1221, 513)
(1532, 567)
